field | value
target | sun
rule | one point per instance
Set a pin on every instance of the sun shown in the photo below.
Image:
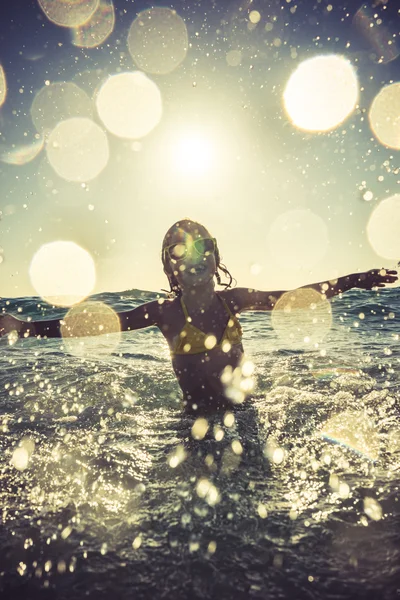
(193, 154)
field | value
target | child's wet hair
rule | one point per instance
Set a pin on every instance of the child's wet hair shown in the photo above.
(173, 282)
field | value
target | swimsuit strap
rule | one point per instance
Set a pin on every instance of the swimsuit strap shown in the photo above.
(185, 312)
(230, 313)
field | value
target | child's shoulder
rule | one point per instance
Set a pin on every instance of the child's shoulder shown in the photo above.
(166, 305)
(168, 312)
(230, 297)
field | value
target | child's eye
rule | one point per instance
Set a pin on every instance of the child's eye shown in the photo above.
(178, 251)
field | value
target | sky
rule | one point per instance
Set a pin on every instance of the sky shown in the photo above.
(275, 123)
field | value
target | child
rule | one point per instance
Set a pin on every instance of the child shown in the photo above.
(200, 325)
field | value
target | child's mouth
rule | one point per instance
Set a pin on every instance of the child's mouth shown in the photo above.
(198, 269)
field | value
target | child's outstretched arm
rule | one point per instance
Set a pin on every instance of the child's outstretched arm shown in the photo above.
(144, 315)
(375, 278)
(48, 328)
(242, 299)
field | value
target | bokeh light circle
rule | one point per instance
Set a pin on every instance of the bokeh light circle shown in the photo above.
(91, 329)
(321, 93)
(383, 228)
(129, 105)
(234, 58)
(3, 86)
(368, 20)
(62, 273)
(22, 454)
(57, 102)
(21, 155)
(158, 40)
(97, 29)
(254, 17)
(298, 239)
(77, 149)
(302, 317)
(384, 116)
(68, 13)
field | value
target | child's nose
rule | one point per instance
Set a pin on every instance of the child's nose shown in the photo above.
(194, 257)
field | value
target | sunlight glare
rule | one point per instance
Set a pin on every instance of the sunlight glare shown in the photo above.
(158, 40)
(302, 317)
(129, 105)
(57, 102)
(91, 329)
(384, 226)
(97, 29)
(321, 93)
(77, 149)
(384, 116)
(68, 13)
(193, 155)
(62, 273)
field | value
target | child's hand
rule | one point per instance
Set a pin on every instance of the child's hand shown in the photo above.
(375, 278)
(9, 323)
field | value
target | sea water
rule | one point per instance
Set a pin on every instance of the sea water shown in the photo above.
(105, 493)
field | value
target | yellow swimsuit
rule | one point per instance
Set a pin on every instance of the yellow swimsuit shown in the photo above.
(192, 340)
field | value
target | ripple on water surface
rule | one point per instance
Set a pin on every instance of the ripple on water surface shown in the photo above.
(106, 488)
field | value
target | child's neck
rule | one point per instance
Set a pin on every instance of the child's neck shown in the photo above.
(200, 297)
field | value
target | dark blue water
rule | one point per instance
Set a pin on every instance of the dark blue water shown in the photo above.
(105, 493)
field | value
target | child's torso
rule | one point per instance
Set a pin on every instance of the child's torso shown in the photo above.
(207, 330)
(199, 373)
(214, 329)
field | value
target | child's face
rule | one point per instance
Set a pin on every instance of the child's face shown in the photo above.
(193, 263)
